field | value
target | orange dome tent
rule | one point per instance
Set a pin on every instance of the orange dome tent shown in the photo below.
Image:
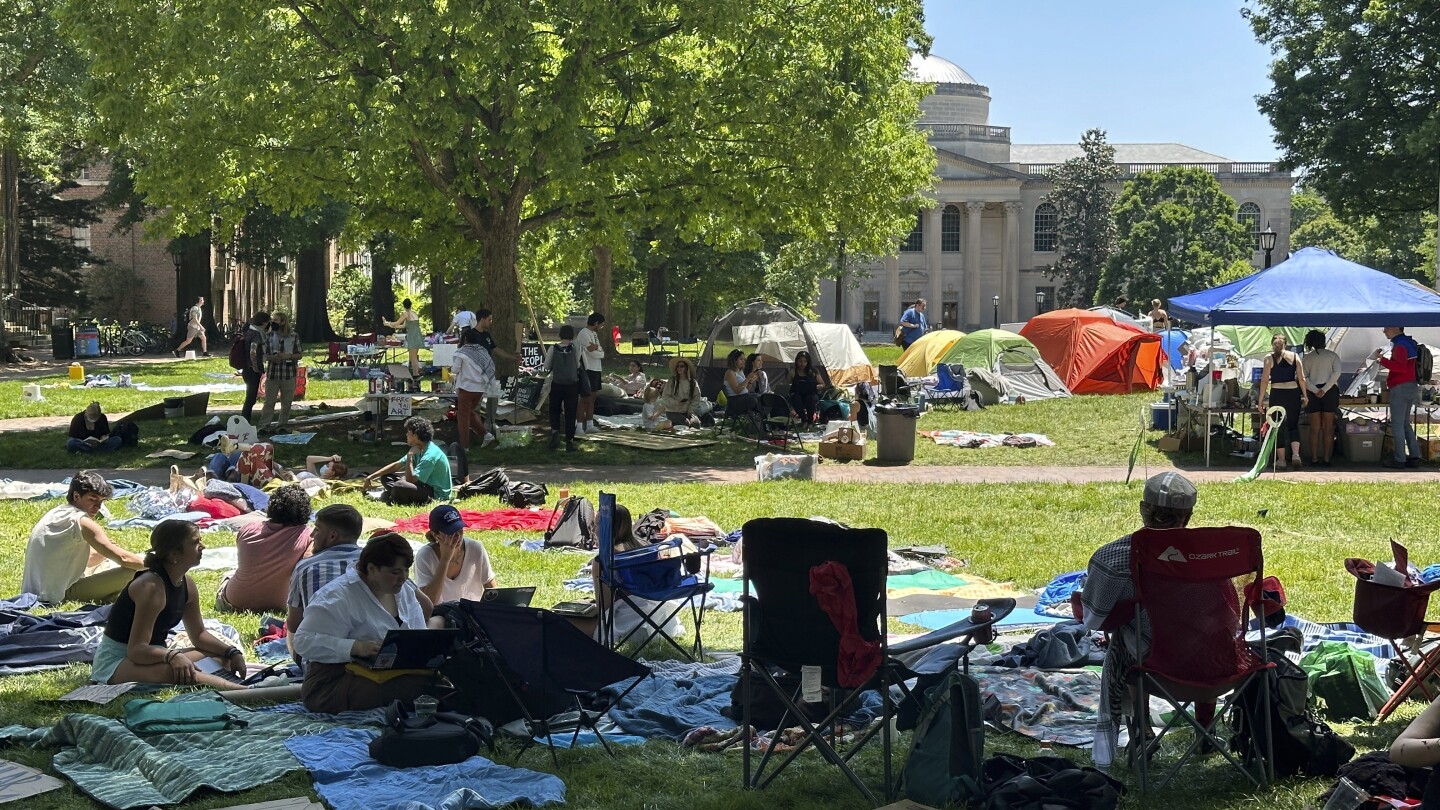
(1095, 355)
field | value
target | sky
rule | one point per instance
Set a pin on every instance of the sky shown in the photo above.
(1182, 71)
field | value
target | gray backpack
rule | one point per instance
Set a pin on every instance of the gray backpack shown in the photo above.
(564, 365)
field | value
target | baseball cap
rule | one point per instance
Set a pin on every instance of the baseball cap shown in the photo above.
(1169, 490)
(446, 519)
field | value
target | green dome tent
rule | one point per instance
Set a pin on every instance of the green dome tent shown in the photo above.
(980, 349)
(1254, 341)
(1003, 364)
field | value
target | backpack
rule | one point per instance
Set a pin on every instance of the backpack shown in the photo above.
(128, 431)
(1424, 363)
(520, 494)
(1046, 783)
(564, 365)
(444, 738)
(490, 482)
(240, 353)
(575, 527)
(944, 766)
(1302, 742)
(1345, 681)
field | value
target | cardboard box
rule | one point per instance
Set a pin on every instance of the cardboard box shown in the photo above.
(1429, 448)
(842, 452)
(1168, 444)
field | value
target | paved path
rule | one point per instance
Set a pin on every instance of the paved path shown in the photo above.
(847, 473)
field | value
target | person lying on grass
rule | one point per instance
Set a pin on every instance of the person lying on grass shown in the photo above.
(70, 557)
(133, 647)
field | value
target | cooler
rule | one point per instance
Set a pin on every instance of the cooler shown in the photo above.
(1362, 442)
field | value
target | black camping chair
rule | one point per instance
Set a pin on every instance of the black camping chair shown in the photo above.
(643, 574)
(549, 656)
(786, 629)
(780, 425)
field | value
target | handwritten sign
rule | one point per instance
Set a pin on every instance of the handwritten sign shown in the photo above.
(532, 357)
(527, 392)
(398, 405)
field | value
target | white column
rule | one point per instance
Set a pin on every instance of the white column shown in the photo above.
(1010, 269)
(972, 263)
(853, 310)
(890, 306)
(932, 264)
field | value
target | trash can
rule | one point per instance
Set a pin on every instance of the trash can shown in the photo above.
(896, 426)
(62, 339)
(87, 341)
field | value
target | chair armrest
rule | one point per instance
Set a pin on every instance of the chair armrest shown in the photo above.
(999, 608)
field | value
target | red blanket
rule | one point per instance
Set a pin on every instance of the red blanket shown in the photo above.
(515, 520)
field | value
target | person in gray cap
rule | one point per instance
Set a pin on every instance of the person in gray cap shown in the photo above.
(1108, 601)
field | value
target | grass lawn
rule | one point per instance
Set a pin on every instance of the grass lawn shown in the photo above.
(1024, 533)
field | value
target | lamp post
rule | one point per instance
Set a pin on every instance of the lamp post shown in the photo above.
(1267, 242)
(996, 302)
(1039, 302)
(179, 260)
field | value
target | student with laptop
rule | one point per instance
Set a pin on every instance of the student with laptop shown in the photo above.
(346, 627)
(452, 566)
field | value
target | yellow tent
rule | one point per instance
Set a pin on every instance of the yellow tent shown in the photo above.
(920, 359)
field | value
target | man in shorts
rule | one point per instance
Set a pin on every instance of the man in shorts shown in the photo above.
(194, 329)
(592, 357)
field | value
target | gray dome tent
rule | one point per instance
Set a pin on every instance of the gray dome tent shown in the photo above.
(834, 352)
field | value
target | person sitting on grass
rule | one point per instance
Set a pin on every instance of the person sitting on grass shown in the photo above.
(70, 558)
(633, 383)
(266, 554)
(680, 399)
(349, 618)
(422, 475)
(163, 595)
(90, 432)
(452, 566)
(333, 551)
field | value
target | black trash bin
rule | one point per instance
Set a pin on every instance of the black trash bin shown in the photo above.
(62, 339)
(896, 426)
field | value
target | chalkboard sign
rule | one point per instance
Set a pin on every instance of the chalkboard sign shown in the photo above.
(532, 357)
(527, 392)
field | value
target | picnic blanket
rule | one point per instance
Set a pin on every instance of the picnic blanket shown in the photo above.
(515, 520)
(114, 766)
(650, 441)
(1058, 706)
(348, 779)
(291, 438)
(32, 643)
(1019, 617)
(972, 439)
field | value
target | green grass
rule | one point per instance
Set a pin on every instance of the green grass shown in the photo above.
(1023, 533)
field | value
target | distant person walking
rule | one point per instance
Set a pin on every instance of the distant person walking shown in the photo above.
(913, 323)
(194, 328)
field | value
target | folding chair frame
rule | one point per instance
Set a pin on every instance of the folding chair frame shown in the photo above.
(788, 426)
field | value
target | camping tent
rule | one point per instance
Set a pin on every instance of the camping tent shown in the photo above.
(1123, 317)
(920, 358)
(1170, 342)
(1094, 354)
(1254, 341)
(1313, 286)
(979, 349)
(1011, 357)
(783, 333)
(1356, 345)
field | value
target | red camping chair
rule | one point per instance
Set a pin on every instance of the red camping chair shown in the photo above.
(1191, 584)
(1395, 613)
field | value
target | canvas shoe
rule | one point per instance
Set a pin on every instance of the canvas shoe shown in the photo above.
(590, 427)
(490, 440)
(579, 429)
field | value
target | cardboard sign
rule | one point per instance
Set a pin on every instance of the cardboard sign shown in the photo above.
(532, 356)
(398, 405)
(527, 392)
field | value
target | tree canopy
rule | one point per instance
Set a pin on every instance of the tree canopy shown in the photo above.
(474, 124)
(1177, 234)
(1085, 223)
(1402, 244)
(50, 260)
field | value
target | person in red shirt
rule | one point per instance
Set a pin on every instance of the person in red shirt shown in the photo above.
(1404, 395)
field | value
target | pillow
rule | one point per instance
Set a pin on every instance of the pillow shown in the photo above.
(215, 508)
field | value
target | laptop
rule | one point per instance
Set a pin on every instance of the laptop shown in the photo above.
(412, 649)
(514, 597)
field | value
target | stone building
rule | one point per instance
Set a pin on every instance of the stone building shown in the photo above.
(986, 239)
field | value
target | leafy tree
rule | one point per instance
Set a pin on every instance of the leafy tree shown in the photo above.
(1085, 227)
(50, 261)
(1305, 205)
(350, 306)
(479, 124)
(1327, 231)
(1356, 98)
(1178, 234)
(1401, 244)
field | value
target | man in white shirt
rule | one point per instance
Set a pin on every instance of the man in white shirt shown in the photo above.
(194, 328)
(592, 354)
(464, 319)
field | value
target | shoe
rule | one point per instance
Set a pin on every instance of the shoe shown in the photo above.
(554, 441)
(591, 427)
(176, 352)
(490, 440)
(579, 429)
(1393, 464)
(570, 447)
(1295, 464)
(1412, 463)
(206, 354)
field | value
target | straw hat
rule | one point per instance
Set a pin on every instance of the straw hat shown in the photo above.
(688, 361)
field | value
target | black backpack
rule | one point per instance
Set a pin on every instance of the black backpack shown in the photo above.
(490, 482)
(520, 494)
(576, 526)
(1303, 743)
(128, 431)
(1046, 783)
(943, 768)
(1424, 363)
(444, 738)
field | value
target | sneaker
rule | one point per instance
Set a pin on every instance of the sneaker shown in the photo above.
(490, 440)
(206, 354)
(554, 441)
(176, 353)
(591, 427)
(1294, 464)
(1393, 464)
(570, 447)
(1414, 462)
(579, 429)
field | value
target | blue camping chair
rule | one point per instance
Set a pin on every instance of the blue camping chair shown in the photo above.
(951, 388)
(646, 574)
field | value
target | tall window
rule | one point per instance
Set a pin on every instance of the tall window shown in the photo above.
(950, 229)
(1046, 219)
(1249, 216)
(81, 236)
(915, 242)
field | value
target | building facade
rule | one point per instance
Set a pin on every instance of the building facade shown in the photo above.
(979, 250)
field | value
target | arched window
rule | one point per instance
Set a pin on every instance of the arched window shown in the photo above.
(915, 242)
(950, 229)
(1249, 216)
(1046, 219)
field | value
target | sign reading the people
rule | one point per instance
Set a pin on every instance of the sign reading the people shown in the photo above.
(532, 358)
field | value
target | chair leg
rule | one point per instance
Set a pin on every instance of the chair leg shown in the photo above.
(1417, 674)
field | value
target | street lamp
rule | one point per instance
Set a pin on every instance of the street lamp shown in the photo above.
(179, 260)
(1039, 302)
(1267, 242)
(996, 301)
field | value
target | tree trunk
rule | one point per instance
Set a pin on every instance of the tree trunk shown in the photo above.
(604, 268)
(382, 284)
(840, 284)
(9, 239)
(312, 294)
(655, 297)
(499, 252)
(439, 302)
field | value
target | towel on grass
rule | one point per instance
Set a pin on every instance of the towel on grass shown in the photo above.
(348, 779)
(516, 520)
(937, 619)
(1061, 707)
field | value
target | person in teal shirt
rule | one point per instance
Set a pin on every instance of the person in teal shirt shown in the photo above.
(423, 475)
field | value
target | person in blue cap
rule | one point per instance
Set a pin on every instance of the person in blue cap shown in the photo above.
(452, 566)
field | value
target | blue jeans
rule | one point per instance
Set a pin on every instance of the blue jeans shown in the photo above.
(1403, 399)
(110, 445)
(220, 464)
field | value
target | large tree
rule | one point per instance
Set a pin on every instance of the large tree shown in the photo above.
(1085, 225)
(50, 260)
(1402, 244)
(1356, 98)
(495, 119)
(1177, 234)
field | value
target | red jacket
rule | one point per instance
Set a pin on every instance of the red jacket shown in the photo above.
(1401, 362)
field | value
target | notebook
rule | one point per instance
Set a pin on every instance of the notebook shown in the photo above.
(412, 649)
(514, 597)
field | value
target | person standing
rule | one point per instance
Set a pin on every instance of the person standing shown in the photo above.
(282, 366)
(409, 321)
(484, 319)
(1284, 378)
(194, 328)
(464, 319)
(1404, 395)
(1322, 375)
(1159, 318)
(564, 366)
(592, 355)
(474, 373)
(256, 344)
(913, 324)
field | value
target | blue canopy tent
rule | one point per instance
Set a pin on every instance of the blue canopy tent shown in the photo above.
(1170, 341)
(1313, 287)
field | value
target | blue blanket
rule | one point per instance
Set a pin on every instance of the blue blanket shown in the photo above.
(348, 779)
(1019, 617)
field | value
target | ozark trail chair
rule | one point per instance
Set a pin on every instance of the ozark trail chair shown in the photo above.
(950, 389)
(791, 606)
(1197, 588)
(1398, 614)
(653, 586)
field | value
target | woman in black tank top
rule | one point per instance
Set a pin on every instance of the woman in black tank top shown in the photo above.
(157, 599)
(1284, 379)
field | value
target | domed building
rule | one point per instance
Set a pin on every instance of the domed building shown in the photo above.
(981, 249)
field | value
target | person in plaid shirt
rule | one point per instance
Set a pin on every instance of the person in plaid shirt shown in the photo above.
(282, 361)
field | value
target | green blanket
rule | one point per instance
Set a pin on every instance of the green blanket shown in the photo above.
(111, 764)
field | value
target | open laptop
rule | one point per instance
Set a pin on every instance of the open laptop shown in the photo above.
(514, 597)
(412, 649)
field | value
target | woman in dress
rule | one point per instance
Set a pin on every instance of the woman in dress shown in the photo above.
(409, 321)
(1284, 379)
(804, 388)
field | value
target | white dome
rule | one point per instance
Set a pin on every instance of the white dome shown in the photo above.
(938, 70)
